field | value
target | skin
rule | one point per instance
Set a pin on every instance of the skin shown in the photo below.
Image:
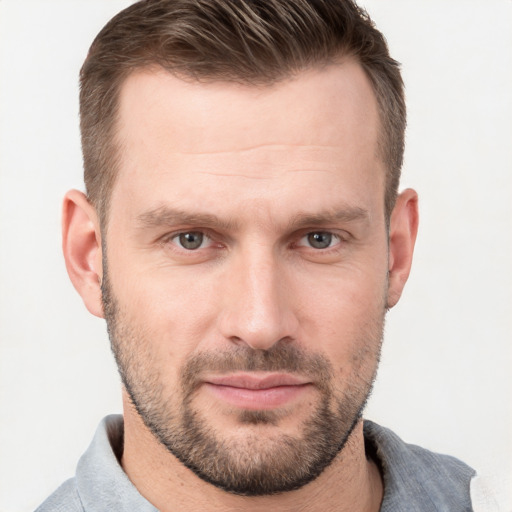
(272, 164)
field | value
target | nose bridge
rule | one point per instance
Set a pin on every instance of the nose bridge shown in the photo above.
(257, 306)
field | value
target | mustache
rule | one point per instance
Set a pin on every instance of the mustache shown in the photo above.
(281, 357)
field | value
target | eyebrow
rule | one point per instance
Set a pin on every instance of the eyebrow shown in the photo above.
(168, 216)
(344, 214)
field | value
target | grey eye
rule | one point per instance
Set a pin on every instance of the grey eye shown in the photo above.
(319, 239)
(191, 240)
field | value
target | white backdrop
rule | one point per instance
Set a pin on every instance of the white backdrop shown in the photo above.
(445, 380)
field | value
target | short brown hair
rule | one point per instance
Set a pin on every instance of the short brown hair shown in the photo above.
(247, 41)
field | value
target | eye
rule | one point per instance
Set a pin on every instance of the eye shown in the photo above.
(191, 240)
(319, 240)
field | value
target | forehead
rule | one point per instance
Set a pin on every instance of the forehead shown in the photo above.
(317, 106)
(208, 138)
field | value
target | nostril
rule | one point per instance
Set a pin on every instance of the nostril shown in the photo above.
(236, 340)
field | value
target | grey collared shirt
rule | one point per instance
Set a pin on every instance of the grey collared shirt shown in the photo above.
(415, 479)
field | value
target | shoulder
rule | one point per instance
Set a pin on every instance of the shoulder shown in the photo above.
(100, 484)
(64, 499)
(416, 478)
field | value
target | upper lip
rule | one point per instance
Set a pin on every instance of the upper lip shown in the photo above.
(257, 380)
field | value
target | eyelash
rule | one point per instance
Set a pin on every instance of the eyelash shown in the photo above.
(168, 239)
(332, 237)
(338, 238)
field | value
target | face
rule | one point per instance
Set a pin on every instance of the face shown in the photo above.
(247, 269)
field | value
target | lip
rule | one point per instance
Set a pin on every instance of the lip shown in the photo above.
(257, 390)
(256, 380)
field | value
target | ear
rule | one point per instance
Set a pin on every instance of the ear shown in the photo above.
(81, 244)
(402, 237)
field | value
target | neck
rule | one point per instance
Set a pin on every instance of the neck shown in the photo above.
(350, 483)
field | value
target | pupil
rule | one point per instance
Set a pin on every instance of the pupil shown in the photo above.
(191, 240)
(320, 240)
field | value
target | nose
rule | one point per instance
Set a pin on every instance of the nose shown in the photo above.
(257, 303)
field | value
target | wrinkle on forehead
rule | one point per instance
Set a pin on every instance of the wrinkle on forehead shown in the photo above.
(262, 161)
(253, 176)
(269, 146)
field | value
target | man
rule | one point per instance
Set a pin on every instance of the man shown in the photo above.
(243, 237)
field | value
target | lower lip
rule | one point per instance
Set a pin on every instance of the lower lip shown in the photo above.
(257, 399)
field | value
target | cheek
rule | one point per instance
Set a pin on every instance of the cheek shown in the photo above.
(173, 307)
(343, 313)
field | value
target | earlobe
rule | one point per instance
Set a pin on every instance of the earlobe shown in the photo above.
(81, 245)
(402, 237)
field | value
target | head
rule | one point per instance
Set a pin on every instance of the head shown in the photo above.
(241, 161)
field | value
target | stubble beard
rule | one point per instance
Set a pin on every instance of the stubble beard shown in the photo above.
(252, 465)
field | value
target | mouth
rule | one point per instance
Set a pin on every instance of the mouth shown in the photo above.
(257, 390)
